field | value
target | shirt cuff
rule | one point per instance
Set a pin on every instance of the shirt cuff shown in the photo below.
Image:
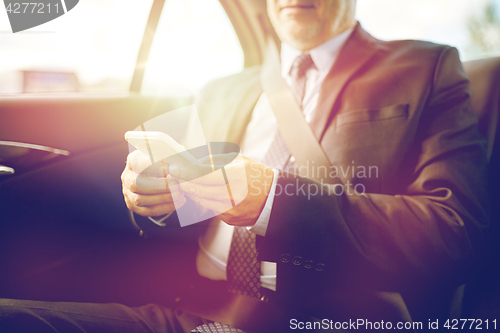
(160, 220)
(260, 227)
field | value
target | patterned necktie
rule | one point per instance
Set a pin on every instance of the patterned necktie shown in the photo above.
(216, 328)
(243, 268)
(298, 76)
(278, 155)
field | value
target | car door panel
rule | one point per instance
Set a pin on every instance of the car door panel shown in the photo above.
(71, 202)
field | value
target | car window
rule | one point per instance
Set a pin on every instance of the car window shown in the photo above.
(471, 26)
(92, 48)
(195, 43)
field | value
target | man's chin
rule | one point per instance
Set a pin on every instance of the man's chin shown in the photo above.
(298, 35)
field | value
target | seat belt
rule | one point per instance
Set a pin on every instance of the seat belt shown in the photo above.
(298, 135)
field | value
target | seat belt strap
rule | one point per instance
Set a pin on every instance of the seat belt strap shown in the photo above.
(296, 132)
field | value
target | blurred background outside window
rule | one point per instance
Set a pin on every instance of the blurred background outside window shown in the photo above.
(194, 44)
(472, 26)
(94, 47)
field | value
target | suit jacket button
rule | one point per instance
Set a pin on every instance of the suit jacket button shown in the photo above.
(297, 260)
(309, 264)
(285, 258)
(320, 267)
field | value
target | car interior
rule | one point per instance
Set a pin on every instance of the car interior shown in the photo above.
(65, 231)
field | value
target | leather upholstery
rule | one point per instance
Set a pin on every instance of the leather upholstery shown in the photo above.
(484, 75)
(482, 294)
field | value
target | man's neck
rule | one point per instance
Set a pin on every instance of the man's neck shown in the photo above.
(323, 55)
(306, 46)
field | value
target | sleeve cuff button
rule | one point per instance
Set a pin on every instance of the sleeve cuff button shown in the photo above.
(285, 258)
(297, 260)
(320, 267)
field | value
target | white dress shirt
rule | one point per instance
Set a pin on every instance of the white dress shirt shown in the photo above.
(211, 261)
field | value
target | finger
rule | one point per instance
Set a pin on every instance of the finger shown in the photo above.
(218, 207)
(213, 193)
(183, 174)
(219, 159)
(138, 162)
(188, 172)
(145, 206)
(145, 200)
(206, 160)
(142, 184)
(159, 185)
(158, 210)
(163, 169)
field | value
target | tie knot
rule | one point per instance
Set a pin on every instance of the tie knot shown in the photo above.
(301, 65)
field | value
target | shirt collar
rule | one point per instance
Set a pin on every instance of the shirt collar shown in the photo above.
(323, 55)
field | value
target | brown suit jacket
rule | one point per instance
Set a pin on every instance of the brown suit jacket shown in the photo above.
(402, 108)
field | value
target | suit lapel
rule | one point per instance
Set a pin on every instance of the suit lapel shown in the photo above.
(358, 49)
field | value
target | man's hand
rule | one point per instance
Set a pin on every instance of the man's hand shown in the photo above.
(145, 187)
(232, 186)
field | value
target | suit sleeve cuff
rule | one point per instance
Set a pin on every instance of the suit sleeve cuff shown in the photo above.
(260, 227)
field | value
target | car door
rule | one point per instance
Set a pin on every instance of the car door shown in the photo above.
(62, 148)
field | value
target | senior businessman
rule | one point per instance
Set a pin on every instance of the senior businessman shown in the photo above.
(389, 233)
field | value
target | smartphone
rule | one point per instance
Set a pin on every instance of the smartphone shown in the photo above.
(159, 146)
